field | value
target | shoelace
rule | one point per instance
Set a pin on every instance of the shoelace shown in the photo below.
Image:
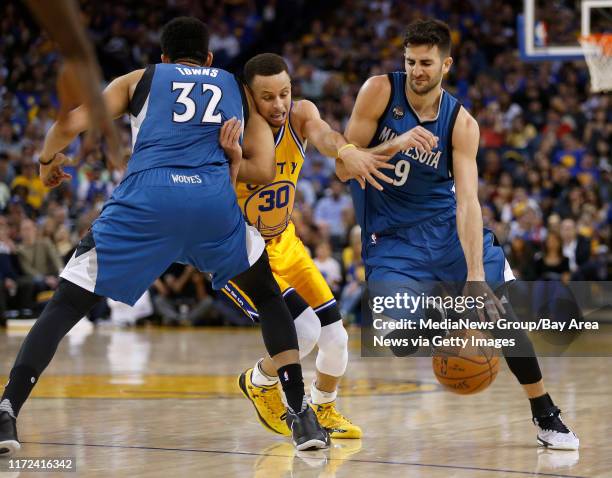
(552, 422)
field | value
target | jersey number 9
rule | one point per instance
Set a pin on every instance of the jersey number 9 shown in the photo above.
(402, 168)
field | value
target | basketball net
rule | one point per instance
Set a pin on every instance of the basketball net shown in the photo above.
(598, 54)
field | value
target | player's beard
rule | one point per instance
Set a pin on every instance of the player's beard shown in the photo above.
(422, 90)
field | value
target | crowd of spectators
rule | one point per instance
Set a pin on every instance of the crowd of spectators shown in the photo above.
(544, 160)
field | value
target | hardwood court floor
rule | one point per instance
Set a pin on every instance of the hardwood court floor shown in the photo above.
(164, 403)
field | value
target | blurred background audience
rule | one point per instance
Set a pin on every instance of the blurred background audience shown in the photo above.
(544, 160)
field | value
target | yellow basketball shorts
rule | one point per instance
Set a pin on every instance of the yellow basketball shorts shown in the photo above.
(294, 270)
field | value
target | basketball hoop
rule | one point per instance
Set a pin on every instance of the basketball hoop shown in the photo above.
(597, 51)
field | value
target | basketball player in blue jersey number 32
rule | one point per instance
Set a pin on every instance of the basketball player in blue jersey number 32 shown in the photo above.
(428, 226)
(176, 203)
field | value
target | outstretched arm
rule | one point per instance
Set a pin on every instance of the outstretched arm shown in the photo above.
(63, 132)
(313, 128)
(355, 162)
(369, 107)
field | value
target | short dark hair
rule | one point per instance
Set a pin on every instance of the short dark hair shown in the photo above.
(185, 38)
(429, 32)
(264, 64)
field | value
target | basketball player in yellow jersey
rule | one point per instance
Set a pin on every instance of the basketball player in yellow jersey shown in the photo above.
(268, 207)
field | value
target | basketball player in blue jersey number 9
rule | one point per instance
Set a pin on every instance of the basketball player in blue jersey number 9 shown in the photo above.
(428, 226)
(176, 203)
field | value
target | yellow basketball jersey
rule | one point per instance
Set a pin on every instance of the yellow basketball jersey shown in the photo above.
(269, 208)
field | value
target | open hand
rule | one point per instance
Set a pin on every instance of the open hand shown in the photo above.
(229, 138)
(417, 137)
(52, 175)
(365, 166)
(493, 308)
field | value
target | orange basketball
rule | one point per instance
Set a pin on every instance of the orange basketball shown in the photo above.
(465, 370)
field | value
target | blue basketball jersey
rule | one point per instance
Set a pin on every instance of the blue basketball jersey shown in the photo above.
(423, 186)
(177, 112)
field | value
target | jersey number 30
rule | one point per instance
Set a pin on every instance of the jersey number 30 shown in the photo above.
(273, 199)
(190, 105)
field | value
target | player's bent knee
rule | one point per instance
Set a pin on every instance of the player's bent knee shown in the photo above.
(308, 330)
(521, 357)
(277, 325)
(74, 296)
(258, 282)
(333, 336)
(333, 350)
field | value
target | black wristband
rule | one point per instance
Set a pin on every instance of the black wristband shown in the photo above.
(47, 163)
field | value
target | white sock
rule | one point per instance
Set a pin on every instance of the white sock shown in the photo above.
(5, 406)
(319, 397)
(260, 378)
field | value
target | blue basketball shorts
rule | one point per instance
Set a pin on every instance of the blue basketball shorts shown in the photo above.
(427, 257)
(160, 216)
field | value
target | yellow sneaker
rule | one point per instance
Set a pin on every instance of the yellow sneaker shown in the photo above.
(337, 424)
(267, 402)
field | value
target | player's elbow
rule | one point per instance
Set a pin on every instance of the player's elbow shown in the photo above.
(262, 179)
(467, 203)
(263, 175)
(68, 126)
(61, 128)
(268, 173)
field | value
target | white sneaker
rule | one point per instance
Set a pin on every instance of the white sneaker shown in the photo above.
(554, 434)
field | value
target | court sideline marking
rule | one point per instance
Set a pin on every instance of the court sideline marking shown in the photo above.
(246, 453)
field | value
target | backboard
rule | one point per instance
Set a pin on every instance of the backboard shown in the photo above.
(549, 30)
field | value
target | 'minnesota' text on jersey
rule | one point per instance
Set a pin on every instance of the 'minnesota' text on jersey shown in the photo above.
(177, 112)
(423, 185)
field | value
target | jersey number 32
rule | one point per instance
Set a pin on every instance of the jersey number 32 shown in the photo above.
(189, 105)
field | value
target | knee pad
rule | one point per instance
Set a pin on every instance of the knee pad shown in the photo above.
(308, 330)
(333, 350)
(307, 325)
